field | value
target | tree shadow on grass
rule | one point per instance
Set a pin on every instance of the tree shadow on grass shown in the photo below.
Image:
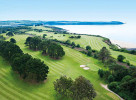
(60, 97)
(23, 84)
(4, 63)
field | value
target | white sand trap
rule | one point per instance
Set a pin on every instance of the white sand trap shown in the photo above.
(82, 66)
(86, 68)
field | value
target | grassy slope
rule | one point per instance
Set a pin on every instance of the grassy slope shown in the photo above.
(95, 42)
(13, 88)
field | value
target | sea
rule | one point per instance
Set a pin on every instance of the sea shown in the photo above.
(123, 35)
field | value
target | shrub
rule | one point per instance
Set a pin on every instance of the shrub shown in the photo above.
(121, 58)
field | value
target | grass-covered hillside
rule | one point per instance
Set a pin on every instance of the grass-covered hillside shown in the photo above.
(95, 42)
(14, 88)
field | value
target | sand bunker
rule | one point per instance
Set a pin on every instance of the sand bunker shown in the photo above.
(84, 67)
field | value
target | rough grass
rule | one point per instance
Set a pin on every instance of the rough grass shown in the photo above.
(12, 88)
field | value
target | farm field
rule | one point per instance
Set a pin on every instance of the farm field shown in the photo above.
(16, 89)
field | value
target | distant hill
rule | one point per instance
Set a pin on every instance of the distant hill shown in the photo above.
(29, 22)
(131, 49)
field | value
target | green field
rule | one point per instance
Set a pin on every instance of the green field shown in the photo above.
(95, 42)
(13, 88)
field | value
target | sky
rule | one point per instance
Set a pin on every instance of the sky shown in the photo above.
(71, 10)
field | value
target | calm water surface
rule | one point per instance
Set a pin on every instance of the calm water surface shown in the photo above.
(124, 33)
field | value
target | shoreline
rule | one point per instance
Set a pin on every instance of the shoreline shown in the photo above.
(120, 43)
(123, 44)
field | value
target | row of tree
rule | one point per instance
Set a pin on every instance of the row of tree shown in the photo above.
(15, 30)
(48, 47)
(89, 51)
(121, 79)
(2, 37)
(79, 89)
(104, 54)
(25, 65)
(76, 37)
(38, 30)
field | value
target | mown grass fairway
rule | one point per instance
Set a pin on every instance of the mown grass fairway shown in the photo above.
(13, 88)
(95, 42)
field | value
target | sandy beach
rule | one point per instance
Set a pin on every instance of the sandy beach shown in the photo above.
(124, 44)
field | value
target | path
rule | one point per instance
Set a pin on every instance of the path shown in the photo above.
(106, 87)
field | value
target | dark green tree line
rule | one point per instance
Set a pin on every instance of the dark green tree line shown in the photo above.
(79, 89)
(25, 65)
(47, 47)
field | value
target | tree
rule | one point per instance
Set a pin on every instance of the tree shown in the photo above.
(73, 44)
(82, 89)
(113, 86)
(101, 73)
(10, 34)
(133, 52)
(33, 42)
(30, 68)
(78, 36)
(104, 54)
(118, 71)
(126, 78)
(44, 35)
(28, 40)
(121, 58)
(110, 61)
(129, 85)
(49, 47)
(9, 50)
(110, 79)
(36, 70)
(19, 64)
(12, 40)
(68, 42)
(62, 85)
(3, 31)
(96, 55)
(88, 47)
(23, 64)
(89, 53)
(2, 37)
(78, 45)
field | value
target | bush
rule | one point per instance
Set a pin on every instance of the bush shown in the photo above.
(101, 73)
(121, 58)
(88, 48)
(78, 45)
(128, 63)
(12, 40)
(10, 34)
(126, 78)
(110, 79)
(89, 53)
(113, 86)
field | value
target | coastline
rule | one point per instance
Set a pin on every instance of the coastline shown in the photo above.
(98, 30)
(123, 44)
